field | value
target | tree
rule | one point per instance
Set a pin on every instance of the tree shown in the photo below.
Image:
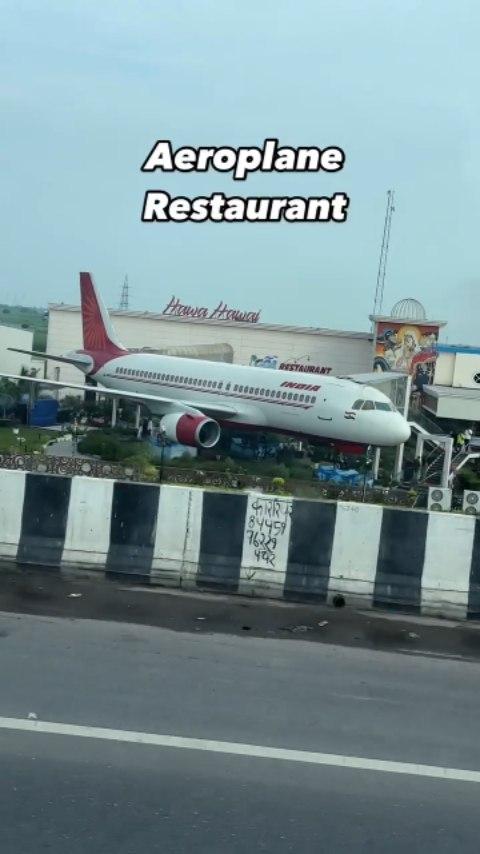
(9, 388)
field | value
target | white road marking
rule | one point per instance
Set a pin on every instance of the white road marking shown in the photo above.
(419, 653)
(239, 749)
(366, 699)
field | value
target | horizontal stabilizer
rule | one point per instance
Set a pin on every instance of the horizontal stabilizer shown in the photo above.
(80, 362)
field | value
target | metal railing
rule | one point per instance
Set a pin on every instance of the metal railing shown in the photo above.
(77, 466)
(69, 466)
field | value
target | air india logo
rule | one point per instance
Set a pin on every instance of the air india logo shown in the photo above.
(93, 331)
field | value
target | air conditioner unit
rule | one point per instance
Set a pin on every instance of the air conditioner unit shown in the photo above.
(439, 498)
(471, 502)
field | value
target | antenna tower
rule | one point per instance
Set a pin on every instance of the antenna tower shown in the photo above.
(124, 297)
(382, 265)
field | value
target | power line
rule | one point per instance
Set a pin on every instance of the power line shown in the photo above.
(382, 265)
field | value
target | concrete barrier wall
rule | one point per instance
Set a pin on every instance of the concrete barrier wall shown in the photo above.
(252, 544)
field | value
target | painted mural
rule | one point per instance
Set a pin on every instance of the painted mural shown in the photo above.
(264, 361)
(407, 348)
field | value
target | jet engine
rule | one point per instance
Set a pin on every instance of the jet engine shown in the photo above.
(194, 430)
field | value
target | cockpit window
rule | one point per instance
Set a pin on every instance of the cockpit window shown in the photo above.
(370, 404)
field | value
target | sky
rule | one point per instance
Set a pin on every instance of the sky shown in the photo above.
(86, 88)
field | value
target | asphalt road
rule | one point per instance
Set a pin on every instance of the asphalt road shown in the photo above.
(349, 693)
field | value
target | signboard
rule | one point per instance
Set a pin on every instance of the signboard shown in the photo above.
(272, 362)
(305, 369)
(466, 372)
(409, 348)
(176, 308)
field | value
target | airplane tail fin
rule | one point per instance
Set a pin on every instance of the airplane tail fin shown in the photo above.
(98, 332)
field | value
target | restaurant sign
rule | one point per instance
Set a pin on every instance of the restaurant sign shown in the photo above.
(305, 369)
(175, 308)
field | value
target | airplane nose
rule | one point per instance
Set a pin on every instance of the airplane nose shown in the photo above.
(403, 430)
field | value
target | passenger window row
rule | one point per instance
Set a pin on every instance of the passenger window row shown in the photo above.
(213, 384)
(283, 395)
(151, 375)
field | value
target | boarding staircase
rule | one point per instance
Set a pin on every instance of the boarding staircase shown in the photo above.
(433, 460)
(434, 463)
(426, 426)
(465, 456)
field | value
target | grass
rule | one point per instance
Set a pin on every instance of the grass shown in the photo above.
(35, 439)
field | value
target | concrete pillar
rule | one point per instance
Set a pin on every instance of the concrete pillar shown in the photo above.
(408, 392)
(447, 462)
(31, 401)
(398, 467)
(114, 411)
(376, 463)
(419, 446)
(137, 415)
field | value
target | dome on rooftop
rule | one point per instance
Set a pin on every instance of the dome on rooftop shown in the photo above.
(409, 309)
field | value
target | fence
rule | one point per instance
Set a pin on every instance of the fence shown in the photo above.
(78, 466)
(67, 466)
(308, 488)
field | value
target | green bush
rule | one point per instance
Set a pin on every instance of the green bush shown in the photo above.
(308, 490)
(468, 479)
(120, 432)
(100, 446)
(282, 472)
(187, 462)
(303, 462)
(278, 485)
(232, 466)
(135, 460)
(149, 472)
(137, 449)
(300, 472)
(94, 443)
(223, 465)
(113, 448)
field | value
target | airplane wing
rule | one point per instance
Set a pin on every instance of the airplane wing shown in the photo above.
(374, 377)
(80, 362)
(215, 410)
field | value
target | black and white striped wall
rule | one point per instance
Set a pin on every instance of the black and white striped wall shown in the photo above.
(250, 544)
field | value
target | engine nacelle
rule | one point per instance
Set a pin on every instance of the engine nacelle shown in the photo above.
(193, 430)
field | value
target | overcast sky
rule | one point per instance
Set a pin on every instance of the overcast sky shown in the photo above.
(87, 87)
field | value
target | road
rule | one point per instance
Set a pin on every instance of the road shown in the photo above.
(362, 695)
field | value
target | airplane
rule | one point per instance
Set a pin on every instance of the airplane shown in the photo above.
(195, 399)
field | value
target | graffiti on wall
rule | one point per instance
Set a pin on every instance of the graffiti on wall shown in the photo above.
(263, 361)
(407, 348)
(267, 531)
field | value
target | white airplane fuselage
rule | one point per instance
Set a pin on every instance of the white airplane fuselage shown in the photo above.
(309, 405)
(196, 398)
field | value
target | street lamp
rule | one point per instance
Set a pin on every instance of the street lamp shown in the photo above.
(74, 437)
(367, 461)
(162, 437)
